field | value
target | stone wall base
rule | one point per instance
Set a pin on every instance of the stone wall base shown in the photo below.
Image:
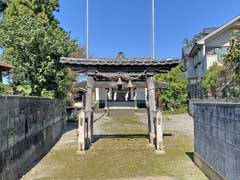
(22, 156)
(207, 169)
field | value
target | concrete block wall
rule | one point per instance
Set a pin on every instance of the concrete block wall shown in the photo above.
(217, 137)
(29, 126)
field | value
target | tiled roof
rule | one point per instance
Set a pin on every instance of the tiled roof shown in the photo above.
(5, 65)
(121, 62)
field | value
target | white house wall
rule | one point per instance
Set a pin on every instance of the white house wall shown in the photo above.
(211, 59)
(208, 60)
(220, 41)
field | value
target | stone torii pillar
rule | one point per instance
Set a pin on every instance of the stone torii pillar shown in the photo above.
(89, 110)
(159, 133)
(151, 109)
(81, 132)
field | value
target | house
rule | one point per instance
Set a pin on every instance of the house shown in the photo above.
(211, 48)
(4, 67)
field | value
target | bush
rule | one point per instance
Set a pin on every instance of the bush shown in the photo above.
(211, 80)
(175, 96)
(6, 89)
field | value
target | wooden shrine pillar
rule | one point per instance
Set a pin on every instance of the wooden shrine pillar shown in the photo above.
(89, 110)
(151, 109)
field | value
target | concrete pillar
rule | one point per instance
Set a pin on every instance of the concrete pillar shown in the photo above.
(152, 108)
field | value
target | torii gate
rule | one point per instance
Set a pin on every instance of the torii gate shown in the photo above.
(106, 73)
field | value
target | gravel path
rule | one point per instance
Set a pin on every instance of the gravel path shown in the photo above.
(182, 123)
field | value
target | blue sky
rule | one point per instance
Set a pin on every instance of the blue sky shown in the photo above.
(125, 25)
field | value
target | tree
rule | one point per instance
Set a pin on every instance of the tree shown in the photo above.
(212, 79)
(232, 64)
(33, 42)
(78, 53)
(176, 93)
(191, 42)
(232, 60)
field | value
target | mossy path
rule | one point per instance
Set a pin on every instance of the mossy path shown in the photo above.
(121, 151)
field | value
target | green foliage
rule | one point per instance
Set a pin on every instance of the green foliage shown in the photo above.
(211, 78)
(33, 42)
(224, 80)
(190, 42)
(180, 110)
(69, 100)
(78, 53)
(6, 89)
(175, 95)
(24, 90)
(232, 60)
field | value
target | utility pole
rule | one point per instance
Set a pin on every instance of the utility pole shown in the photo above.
(153, 29)
(87, 29)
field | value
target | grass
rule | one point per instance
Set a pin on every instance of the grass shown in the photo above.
(181, 110)
(126, 155)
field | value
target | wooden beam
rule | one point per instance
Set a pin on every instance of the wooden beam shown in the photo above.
(109, 84)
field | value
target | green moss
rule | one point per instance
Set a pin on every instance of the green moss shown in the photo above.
(124, 157)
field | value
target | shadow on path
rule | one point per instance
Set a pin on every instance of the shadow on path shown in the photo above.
(119, 136)
(190, 155)
(96, 137)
